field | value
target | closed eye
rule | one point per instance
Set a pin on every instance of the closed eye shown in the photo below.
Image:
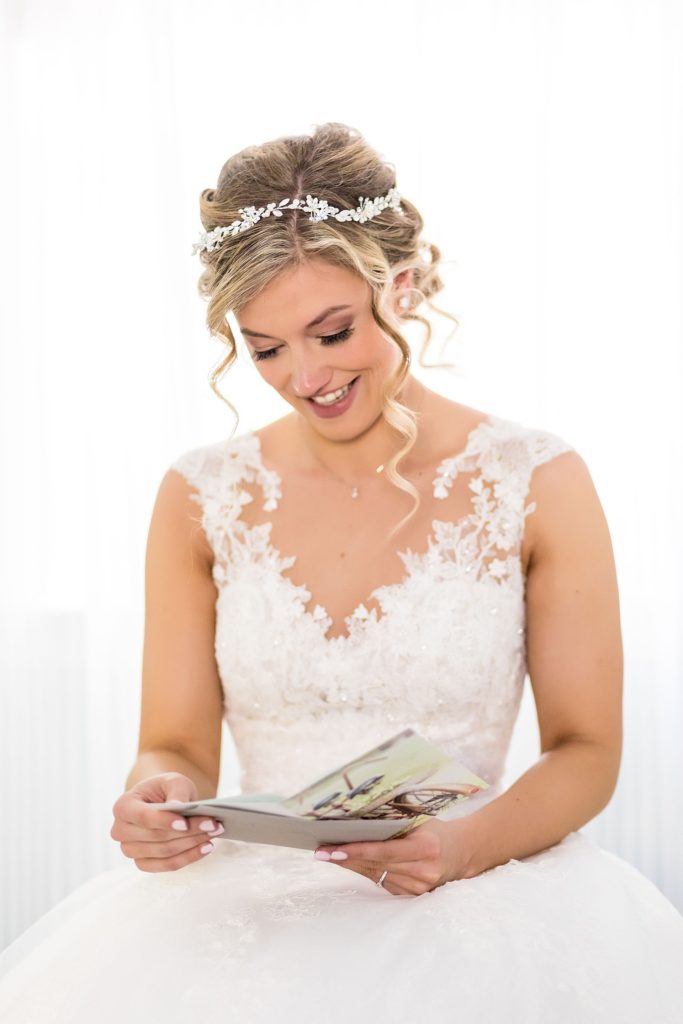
(326, 339)
(332, 339)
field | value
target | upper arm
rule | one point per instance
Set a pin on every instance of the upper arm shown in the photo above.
(574, 648)
(182, 700)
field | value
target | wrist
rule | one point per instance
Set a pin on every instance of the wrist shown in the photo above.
(466, 859)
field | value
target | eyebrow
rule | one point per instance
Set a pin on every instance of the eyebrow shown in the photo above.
(314, 323)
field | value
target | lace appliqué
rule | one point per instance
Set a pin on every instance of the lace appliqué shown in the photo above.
(503, 461)
(217, 472)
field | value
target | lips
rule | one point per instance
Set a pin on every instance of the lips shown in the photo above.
(337, 406)
(340, 393)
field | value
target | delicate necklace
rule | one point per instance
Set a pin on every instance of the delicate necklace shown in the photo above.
(354, 490)
(355, 493)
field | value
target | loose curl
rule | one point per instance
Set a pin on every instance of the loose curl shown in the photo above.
(337, 164)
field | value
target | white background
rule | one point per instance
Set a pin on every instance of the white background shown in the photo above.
(543, 142)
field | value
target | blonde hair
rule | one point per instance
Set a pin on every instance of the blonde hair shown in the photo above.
(337, 164)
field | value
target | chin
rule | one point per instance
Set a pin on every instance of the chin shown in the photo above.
(344, 429)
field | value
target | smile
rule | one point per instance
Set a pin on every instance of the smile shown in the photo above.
(333, 396)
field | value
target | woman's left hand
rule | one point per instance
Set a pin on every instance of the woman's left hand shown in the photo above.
(431, 854)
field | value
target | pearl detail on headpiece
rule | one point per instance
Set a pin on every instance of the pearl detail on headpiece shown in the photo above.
(318, 208)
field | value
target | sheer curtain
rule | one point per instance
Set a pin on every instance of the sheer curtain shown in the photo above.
(542, 141)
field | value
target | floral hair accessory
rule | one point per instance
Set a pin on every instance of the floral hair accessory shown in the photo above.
(318, 208)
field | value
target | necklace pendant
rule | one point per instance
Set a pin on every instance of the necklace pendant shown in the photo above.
(354, 492)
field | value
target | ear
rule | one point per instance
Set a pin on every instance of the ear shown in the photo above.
(404, 279)
(401, 283)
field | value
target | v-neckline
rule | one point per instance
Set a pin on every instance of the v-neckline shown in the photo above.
(360, 616)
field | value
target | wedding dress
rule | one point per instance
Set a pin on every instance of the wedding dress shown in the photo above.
(254, 933)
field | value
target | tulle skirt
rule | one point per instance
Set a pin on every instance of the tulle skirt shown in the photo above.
(256, 934)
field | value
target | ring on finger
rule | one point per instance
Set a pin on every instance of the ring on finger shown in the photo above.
(381, 878)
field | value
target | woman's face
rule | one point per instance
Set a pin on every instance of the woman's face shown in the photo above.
(307, 352)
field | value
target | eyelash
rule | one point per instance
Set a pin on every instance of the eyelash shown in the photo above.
(326, 339)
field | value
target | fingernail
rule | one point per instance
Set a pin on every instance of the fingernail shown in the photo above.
(207, 826)
(338, 855)
(322, 855)
(207, 848)
(180, 825)
(219, 830)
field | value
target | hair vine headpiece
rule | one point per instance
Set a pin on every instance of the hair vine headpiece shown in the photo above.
(318, 208)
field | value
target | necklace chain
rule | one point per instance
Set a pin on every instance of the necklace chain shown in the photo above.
(355, 492)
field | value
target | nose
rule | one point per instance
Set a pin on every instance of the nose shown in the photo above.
(307, 377)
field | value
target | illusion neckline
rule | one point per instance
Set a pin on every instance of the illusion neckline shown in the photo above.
(360, 618)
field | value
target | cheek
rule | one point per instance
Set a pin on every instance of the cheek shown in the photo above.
(384, 358)
(376, 353)
(270, 373)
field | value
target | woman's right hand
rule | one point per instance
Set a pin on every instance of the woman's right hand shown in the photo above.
(160, 840)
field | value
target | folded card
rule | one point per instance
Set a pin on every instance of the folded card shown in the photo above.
(382, 794)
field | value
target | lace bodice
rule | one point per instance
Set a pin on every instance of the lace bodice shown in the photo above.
(446, 655)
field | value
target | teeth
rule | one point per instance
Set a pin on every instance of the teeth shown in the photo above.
(333, 396)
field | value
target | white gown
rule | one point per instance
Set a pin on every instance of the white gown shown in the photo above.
(254, 933)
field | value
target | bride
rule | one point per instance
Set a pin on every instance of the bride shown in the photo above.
(380, 557)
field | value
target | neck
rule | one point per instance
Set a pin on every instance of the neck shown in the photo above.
(359, 456)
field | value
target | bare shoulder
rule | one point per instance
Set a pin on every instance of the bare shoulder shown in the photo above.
(448, 413)
(567, 511)
(177, 512)
(275, 428)
(448, 424)
(277, 438)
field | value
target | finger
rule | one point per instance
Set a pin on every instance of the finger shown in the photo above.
(396, 889)
(132, 808)
(162, 849)
(400, 884)
(123, 829)
(405, 871)
(177, 860)
(397, 883)
(388, 850)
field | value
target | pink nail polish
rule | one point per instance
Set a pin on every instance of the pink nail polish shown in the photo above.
(322, 855)
(338, 855)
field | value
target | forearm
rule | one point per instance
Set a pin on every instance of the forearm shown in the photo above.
(567, 787)
(154, 762)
